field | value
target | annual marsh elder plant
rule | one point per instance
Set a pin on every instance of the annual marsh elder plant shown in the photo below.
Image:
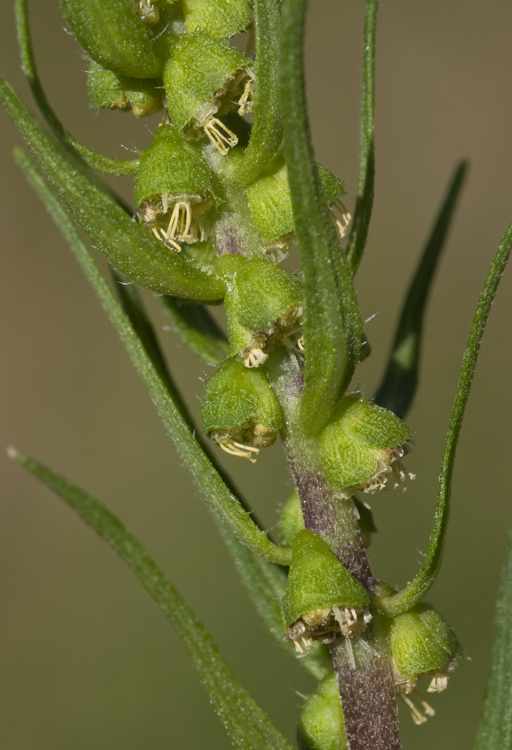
(227, 186)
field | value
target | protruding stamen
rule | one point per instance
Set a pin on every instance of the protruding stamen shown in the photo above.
(237, 449)
(254, 357)
(429, 711)
(221, 136)
(343, 222)
(161, 235)
(300, 343)
(438, 683)
(245, 102)
(415, 712)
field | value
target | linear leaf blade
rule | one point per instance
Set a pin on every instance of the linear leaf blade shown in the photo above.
(267, 129)
(247, 725)
(398, 387)
(214, 490)
(197, 328)
(423, 581)
(332, 323)
(365, 185)
(495, 728)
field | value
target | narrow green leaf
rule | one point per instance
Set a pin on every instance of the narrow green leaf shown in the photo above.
(332, 323)
(396, 392)
(364, 199)
(127, 245)
(93, 160)
(198, 329)
(247, 725)
(213, 489)
(495, 728)
(267, 130)
(416, 590)
(136, 312)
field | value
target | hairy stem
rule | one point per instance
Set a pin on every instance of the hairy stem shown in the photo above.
(367, 692)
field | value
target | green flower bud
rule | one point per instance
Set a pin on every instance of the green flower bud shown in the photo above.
(108, 90)
(263, 306)
(321, 721)
(205, 78)
(201, 255)
(322, 598)
(239, 410)
(113, 35)
(291, 521)
(217, 18)
(422, 645)
(174, 189)
(271, 205)
(361, 445)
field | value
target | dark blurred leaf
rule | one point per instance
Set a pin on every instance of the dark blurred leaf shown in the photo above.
(396, 392)
(364, 199)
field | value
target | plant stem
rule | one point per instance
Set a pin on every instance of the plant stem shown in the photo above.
(367, 692)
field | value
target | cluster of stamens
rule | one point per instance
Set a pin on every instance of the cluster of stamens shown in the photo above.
(342, 217)
(389, 461)
(178, 218)
(283, 331)
(245, 441)
(419, 709)
(325, 624)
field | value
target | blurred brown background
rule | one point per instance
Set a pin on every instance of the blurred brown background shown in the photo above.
(87, 661)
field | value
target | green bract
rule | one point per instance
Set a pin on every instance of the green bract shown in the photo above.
(321, 720)
(218, 18)
(174, 189)
(271, 204)
(204, 78)
(322, 597)
(113, 35)
(239, 410)
(291, 521)
(262, 304)
(108, 90)
(361, 444)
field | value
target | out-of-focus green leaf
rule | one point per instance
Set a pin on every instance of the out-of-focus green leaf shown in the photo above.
(396, 392)
(128, 246)
(96, 161)
(364, 199)
(213, 488)
(247, 725)
(414, 592)
(332, 323)
(198, 329)
(495, 728)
